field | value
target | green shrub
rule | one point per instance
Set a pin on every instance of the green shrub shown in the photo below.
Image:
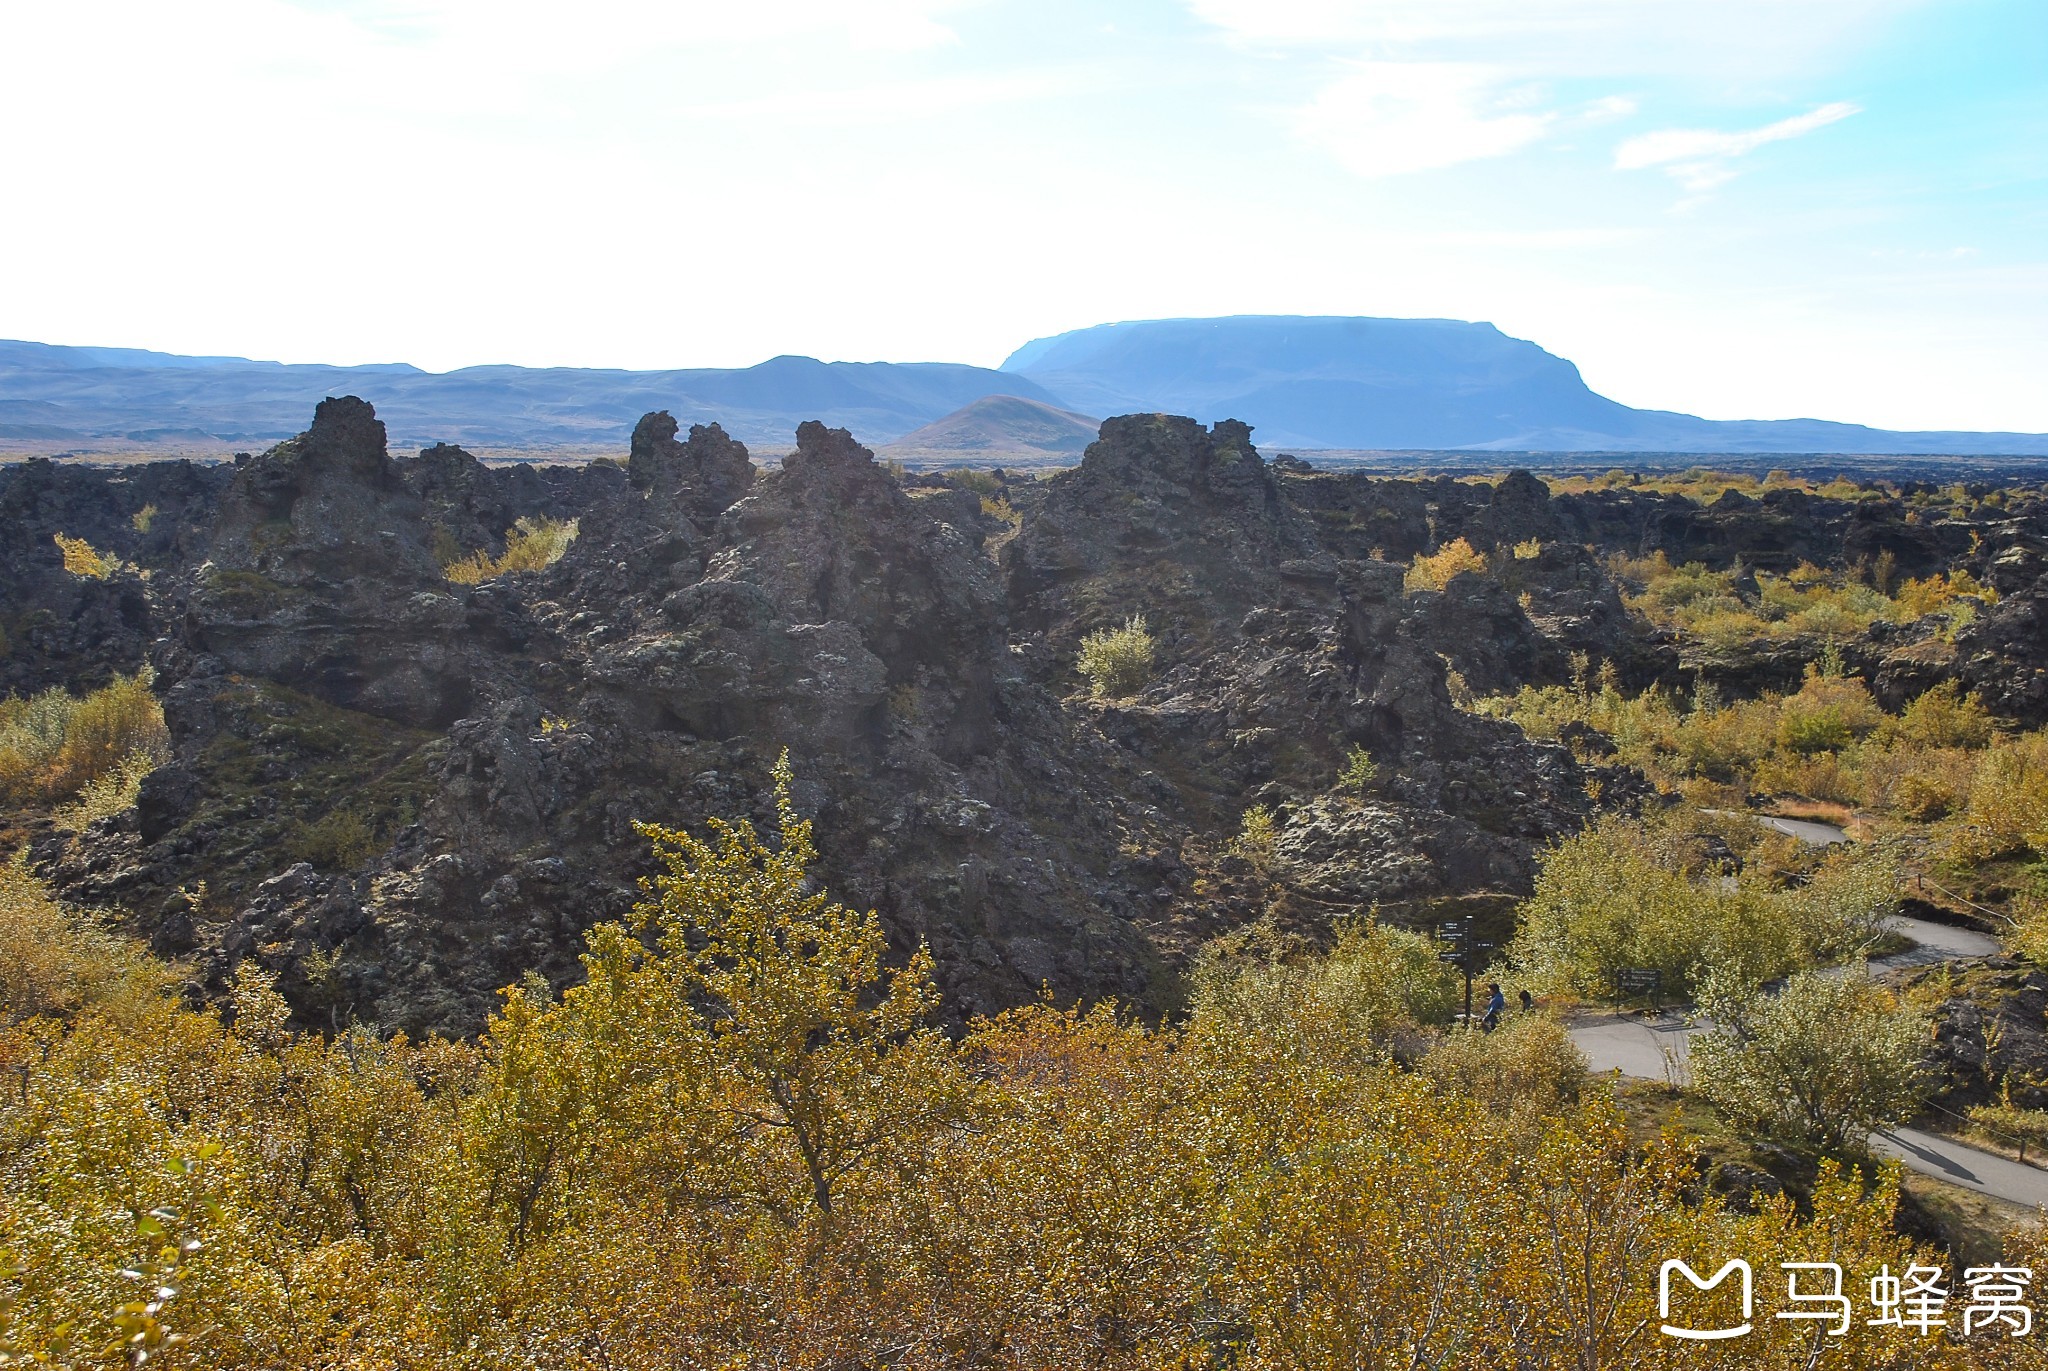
(1118, 661)
(1822, 1064)
(2029, 935)
(1810, 602)
(2008, 811)
(248, 593)
(82, 559)
(340, 840)
(1944, 717)
(1846, 904)
(974, 479)
(1605, 901)
(2012, 1122)
(52, 745)
(56, 962)
(106, 726)
(1828, 713)
(1253, 985)
(1942, 758)
(1919, 784)
(1257, 833)
(1359, 770)
(31, 734)
(109, 794)
(1622, 895)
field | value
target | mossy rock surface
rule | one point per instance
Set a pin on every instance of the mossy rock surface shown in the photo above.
(247, 592)
(289, 773)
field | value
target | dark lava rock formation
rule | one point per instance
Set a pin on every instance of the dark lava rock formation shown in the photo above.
(402, 793)
(58, 629)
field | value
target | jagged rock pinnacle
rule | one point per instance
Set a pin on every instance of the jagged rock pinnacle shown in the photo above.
(710, 471)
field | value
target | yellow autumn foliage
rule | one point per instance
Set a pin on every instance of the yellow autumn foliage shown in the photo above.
(55, 745)
(741, 1141)
(1434, 570)
(82, 559)
(530, 545)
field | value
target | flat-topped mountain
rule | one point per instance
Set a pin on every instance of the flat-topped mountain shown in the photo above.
(1357, 383)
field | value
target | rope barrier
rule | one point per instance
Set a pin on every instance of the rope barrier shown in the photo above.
(1922, 882)
(2013, 1138)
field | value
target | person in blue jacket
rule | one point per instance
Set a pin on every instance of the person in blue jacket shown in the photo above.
(1496, 1005)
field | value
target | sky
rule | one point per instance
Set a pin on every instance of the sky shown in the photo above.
(1735, 208)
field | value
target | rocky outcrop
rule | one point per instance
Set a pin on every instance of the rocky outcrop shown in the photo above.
(321, 576)
(470, 506)
(61, 629)
(710, 471)
(402, 793)
(1277, 656)
(327, 815)
(1162, 516)
(2003, 655)
(1990, 1033)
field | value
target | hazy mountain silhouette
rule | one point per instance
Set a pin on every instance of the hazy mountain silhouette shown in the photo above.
(998, 425)
(1302, 382)
(1335, 382)
(68, 394)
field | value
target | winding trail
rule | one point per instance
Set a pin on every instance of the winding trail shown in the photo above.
(1969, 1167)
(1658, 1049)
(1806, 830)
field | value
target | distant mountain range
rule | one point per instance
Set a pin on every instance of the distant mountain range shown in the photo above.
(74, 396)
(1305, 383)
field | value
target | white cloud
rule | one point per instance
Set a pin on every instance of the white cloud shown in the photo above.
(1702, 159)
(1386, 118)
(1441, 82)
(696, 183)
(1724, 40)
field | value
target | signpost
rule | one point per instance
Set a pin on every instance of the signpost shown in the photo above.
(1640, 980)
(1464, 952)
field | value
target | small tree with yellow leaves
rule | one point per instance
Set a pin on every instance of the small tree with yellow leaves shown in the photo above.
(1257, 835)
(815, 1056)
